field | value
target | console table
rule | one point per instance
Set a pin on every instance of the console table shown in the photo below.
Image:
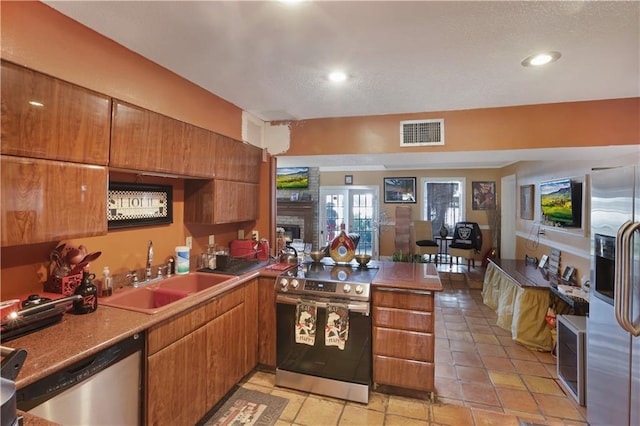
(519, 294)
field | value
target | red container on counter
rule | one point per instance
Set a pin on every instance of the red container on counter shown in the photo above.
(245, 249)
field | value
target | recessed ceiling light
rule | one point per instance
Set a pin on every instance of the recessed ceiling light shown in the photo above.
(337, 76)
(540, 59)
(36, 103)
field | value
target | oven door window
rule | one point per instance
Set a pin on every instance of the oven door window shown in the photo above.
(353, 364)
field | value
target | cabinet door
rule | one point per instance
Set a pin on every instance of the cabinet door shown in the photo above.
(251, 325)
(235, 201)
(220, 201)
(143, 140)
(176, 382)
(45, 200)
(198, 153)
(43, 117)
(238, 161)
(225, 353)
(267, 316)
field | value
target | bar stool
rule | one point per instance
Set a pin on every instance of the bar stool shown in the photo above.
(421, 236)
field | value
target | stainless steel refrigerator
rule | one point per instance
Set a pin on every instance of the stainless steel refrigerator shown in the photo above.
(613, 345)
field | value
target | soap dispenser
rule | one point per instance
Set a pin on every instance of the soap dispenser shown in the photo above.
(107, 283)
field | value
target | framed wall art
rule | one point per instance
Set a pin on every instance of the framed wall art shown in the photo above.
(400, 190)
(484, 195)
(526, 202)
(133, 204)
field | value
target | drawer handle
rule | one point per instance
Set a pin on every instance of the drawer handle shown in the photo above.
(403, 291)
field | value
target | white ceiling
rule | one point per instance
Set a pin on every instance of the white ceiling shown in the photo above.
(271, 58)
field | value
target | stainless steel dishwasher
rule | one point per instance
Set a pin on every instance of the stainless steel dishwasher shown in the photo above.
(104, 389)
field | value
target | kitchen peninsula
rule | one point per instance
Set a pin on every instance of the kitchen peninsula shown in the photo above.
(403, 304)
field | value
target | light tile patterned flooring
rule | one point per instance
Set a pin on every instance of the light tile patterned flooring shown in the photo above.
(482, 378)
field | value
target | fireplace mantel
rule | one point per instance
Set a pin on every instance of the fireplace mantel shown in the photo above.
(303, 209)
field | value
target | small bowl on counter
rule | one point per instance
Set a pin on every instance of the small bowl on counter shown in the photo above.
(317, 255)
(363, 259)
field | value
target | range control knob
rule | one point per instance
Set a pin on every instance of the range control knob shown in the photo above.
(359, 289)
(294, 283)
(284, 282)
(346, 288)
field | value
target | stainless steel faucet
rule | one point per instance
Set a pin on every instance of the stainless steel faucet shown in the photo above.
(149, 260)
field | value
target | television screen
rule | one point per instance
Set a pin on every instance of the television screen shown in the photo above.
(292, 177)
(561, 202)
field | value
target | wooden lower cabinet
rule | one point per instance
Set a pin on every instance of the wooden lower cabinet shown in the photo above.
(175, 386)
(195, 358)
(403, 339)
(44, 200)
(225, 353)
(252, 323)
(267, 316)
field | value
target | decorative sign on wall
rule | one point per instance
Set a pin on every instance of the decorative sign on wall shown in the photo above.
(484, 195)
(132, 204)
(400, 190)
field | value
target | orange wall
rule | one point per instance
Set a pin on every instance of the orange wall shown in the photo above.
(38, 37)
(535, 126)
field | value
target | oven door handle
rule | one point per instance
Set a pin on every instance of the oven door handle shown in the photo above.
(356, 307)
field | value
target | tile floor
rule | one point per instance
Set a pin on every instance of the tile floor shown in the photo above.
(482, 378)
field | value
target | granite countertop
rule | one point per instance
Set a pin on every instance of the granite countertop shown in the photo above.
(408, 276)
(77, 337)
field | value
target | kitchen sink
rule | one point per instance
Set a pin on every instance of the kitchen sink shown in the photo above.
(154, 298)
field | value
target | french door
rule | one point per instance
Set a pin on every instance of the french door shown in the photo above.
(357, 208)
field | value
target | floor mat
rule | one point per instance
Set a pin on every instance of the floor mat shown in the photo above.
(249, 407)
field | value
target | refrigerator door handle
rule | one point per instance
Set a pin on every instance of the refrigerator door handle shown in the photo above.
(623, 279)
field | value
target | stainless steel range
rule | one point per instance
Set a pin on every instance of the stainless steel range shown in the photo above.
(324, 330)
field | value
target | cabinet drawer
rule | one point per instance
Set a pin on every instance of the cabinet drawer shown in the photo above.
(403, 319)
(404, 299)
(168, 332)
(403, 344)
(225, 303)
(404, 373)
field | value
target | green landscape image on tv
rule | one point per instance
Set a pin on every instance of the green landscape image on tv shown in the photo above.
(292, 177)
(555, 199)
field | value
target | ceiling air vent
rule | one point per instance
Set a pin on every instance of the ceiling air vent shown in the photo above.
(422, 132)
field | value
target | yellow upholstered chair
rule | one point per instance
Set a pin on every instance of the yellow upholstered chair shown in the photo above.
(467, 241)
(422, 240)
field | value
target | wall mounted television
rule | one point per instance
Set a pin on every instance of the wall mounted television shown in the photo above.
(561, 202)
(292, 177)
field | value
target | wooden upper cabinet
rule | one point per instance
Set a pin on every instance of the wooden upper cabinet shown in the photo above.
(241, 161)
(44, 117)
(145, 141)
(219, 201)
(44, 200)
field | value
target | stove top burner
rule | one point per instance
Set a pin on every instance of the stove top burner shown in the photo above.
(347, 281)
(336, 272)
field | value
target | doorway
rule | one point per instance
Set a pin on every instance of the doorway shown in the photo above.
(508, 217)
(354, 206)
